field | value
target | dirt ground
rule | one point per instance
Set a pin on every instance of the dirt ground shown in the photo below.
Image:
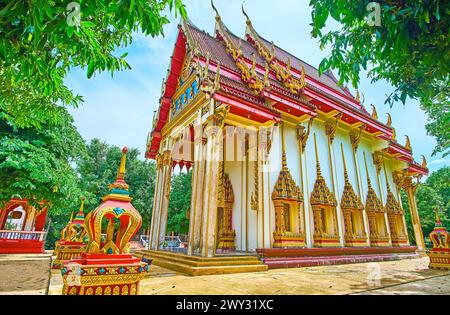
(394, 277)
(24, 273)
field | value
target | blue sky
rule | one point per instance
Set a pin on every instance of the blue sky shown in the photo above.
(120, 109)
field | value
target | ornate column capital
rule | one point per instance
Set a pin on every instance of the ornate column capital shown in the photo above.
(159, 161)
(331, 126)
(303, 134)
(355, 136)
(167, 158)
(378, 161)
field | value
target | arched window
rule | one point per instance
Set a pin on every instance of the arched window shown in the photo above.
(16, 219)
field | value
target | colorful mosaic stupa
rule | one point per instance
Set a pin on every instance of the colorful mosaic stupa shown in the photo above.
(72, 243)
(107, 267)
(440, 253)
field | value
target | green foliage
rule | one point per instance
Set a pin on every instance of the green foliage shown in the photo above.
(180, 203)
(36, 164)
(96, 170)
(39, 45)
(433, 193)
(410, 50)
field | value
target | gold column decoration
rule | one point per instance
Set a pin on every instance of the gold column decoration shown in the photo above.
(395, 216)
(378, 161)
(355, 136)
(303, 134)
(287, 198)
(405, 181)
(226, 234)
(375, 213)
(331, 127)
(323, 203)
(351, 205)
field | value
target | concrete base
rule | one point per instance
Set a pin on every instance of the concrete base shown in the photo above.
(200, 266)
(30, 272)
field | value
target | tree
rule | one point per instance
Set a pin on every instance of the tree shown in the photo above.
(96, 170)
(433, 193)
(410, 49)
(180, 203)
(36, 164)
(40, 41)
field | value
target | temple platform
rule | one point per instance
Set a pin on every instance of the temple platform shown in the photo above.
(307, 257)
(201, 266)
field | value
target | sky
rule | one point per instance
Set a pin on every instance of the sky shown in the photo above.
(119, 109)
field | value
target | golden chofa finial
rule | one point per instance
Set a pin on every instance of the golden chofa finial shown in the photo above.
(424, 162)
(407, 143)
(374, 112)
(358, 97)
(389, 120)
(215, 10)
(121, 172)
(246, 15)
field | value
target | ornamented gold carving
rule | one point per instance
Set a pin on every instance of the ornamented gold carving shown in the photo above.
(374, 112)
(349, 198)
(248, 74)
(331, 127)
(424, 162)
(378, 160)
(389, 120)
(408, 144)
(373, 203)
(159, 161)
(355, 136)
(321, 194)
(283, 73)
(303, 134)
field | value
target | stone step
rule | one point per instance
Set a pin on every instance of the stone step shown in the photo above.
(292, 262)
(196, 266)
(187, 260)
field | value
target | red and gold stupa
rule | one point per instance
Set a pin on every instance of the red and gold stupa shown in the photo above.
(107, 267)
(72, 243)
(440, 253)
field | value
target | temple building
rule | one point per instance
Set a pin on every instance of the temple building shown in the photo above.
(282, 159)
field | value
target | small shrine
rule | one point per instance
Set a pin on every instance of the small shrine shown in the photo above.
(107, 267)
(440, 253)
(72, 242)
(23, 227)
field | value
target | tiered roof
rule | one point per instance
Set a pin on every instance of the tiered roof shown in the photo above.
(250, 81)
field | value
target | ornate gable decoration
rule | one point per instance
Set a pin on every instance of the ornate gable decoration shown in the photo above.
(248, 74)
(282, 73)
(285, 187)
(321, 194)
